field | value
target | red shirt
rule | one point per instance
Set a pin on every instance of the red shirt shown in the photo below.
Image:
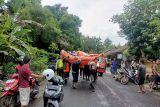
(18, 67)
(26, 72)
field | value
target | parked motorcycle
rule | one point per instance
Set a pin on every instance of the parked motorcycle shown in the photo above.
(53, 94)
(122, 77)
(132, 75)
(10, 93)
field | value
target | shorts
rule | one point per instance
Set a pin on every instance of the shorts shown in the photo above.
(75, 76)
(141, 81)
(24, 95)
(156, 78)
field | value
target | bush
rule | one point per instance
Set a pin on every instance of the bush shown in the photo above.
(38, 64)
(39, 60)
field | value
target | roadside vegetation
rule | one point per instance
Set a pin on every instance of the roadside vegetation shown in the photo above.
(28, 28)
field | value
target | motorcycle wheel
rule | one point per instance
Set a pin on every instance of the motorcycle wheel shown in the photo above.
(124, 80)
(7, 101)
(34, 88)
(52, 105)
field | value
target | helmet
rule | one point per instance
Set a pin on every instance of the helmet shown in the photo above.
(48, 73)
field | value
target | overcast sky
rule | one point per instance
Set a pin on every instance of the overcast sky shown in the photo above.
(95, 15)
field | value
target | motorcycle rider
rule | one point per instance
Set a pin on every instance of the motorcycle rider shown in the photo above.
(52, 79)
(24, 78)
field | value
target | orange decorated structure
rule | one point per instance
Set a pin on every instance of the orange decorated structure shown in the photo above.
(82, 56)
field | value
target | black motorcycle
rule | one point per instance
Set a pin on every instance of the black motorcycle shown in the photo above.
(131, 73)
(53, 94)
(122, 76)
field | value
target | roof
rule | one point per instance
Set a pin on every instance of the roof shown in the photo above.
(116, 50)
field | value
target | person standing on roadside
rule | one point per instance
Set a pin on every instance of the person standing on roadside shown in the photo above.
(60, 66)
(114, 67)
(141, 76)
(24, 78)
(156, 73)
(123, 65)
(150, 76)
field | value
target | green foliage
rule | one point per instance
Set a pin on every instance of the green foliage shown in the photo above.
(69, 25)
(9, 68)
(38, 64)
(14, 40)
(53, 47)
(126, 53)
(27, 28)
(140, 24)
(92, 44)
(108, 44)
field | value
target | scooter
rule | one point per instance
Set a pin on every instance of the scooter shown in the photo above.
(53, 94)
(131, 73)
(10, 93)
(121, 76)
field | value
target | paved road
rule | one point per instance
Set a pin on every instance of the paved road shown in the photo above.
(109, 93)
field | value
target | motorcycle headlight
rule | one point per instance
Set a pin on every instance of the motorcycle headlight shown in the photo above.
(7, 88)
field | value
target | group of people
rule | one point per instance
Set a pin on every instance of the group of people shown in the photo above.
(138, 67)
(88, 72)
(155, 76)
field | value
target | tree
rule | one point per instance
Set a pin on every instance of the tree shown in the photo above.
(69, 25)
(91, 44)
(58, 11)
(107, 43)
(137, 24)
(14, 42)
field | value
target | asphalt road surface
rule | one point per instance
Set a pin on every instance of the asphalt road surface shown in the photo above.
(108, 93)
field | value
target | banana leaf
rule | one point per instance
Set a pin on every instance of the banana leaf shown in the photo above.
(18, 51)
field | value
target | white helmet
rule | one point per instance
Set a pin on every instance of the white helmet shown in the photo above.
(48, 73)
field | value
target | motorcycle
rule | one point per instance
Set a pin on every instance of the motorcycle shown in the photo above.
(122, 77)
(132, 75)
(53, 94)
(10, 93)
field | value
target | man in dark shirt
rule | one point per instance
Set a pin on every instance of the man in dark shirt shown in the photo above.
(75, 72)
(141, 76)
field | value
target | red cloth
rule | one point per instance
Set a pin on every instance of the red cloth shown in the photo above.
(26, 72)
(67, 69)
(18, 67)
